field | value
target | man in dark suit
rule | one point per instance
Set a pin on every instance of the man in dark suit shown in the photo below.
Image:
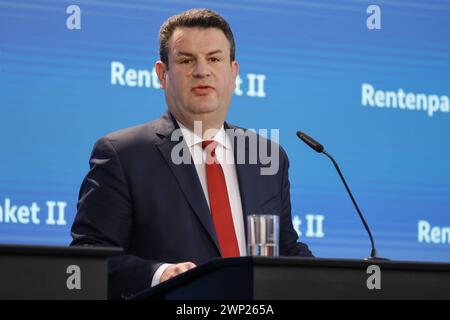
(175, 193)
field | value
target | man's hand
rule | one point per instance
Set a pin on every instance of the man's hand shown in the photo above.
(176, 269)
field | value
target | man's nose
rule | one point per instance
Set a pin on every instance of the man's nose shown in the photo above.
(201, 69)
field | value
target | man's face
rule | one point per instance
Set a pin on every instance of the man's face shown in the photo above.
(201, 78)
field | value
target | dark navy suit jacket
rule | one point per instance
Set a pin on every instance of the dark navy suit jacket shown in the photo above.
(135, 197)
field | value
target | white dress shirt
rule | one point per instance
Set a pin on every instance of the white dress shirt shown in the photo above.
(225, 156)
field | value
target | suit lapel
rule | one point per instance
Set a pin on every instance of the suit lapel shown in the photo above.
(186, 176)
(247, 174)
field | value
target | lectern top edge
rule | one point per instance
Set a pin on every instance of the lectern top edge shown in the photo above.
(60, 250)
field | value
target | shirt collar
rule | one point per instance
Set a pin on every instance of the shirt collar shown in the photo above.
(192, 139)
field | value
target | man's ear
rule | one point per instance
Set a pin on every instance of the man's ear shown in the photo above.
(161, 71)
(235, 71)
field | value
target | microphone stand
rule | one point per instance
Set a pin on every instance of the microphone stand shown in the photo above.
(320, 149)
(373, 253)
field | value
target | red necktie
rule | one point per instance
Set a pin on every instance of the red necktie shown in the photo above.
(219, 202)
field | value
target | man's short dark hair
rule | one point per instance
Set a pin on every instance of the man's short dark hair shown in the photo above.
(194, 18)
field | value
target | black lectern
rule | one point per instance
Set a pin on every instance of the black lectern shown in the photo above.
(40, 272)
(305, 278)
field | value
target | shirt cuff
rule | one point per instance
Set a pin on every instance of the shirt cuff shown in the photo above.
(157, 275)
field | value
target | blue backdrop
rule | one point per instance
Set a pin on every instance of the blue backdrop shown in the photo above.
(376, 98)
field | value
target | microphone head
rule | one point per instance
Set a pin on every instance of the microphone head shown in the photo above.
(310, 142)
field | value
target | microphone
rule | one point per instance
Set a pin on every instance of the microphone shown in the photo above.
(320, 149)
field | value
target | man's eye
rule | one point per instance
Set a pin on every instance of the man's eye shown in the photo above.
(214, 59)
(185, 61)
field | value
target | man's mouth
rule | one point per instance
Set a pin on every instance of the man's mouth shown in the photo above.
(202, 90)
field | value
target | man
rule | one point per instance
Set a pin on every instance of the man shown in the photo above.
(171, 216)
